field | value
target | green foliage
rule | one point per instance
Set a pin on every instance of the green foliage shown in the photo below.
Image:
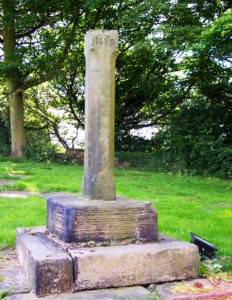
(172, 54)
(39, 147)
(226, 262)
(4, 293)
(135, 159)
(210, 267)
(198, 139)
(217, 37)
(132, 143)
(4, 129)
(5, 149)
(193, 157)
(41, 30)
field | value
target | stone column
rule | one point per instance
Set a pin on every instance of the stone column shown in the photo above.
(100, 53)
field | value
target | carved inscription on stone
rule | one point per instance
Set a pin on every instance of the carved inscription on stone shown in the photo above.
(103, 40)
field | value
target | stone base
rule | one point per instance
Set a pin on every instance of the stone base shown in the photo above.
(50, 269)
(79, 220)
(115, 266)
(47, 266)
(129, 293)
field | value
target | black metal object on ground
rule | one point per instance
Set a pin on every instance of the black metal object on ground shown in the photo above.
(205, 248)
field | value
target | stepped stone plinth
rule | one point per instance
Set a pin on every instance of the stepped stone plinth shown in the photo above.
(53, 267)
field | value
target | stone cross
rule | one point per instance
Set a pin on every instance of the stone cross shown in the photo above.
(100, 53)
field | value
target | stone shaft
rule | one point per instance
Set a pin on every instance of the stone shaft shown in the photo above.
(100, 53)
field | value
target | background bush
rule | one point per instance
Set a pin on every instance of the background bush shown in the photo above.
(40, 148)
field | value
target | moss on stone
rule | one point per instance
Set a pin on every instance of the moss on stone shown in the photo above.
(2, 278)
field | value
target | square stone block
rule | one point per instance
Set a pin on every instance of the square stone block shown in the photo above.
(114, 266)
(48, 268)
(75, 219)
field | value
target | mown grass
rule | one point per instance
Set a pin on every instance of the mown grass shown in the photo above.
(185, 203)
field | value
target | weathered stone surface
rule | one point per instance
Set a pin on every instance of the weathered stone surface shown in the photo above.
(14, 280)
(115, 266)
(11, 275)
(57, 194)
(100, 53)
(74, 219)
(47, 266)
(198, 289)
(6, 181)
(17, 194)
(21, 176)
(130, 293)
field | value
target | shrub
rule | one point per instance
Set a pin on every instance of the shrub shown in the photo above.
(40, 148)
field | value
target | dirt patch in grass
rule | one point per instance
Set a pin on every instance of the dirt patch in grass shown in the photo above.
(7, 258)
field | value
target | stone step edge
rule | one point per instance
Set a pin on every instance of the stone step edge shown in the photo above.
(31, 239)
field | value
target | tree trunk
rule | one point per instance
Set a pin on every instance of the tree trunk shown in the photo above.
(13, 80)
(16, 124)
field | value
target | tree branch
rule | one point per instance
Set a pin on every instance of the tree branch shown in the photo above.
(32, 30)
(1, 33)
(34, 82)
(36, 128)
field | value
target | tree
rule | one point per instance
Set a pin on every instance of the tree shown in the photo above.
(33, 34)
(153, 76)
(198, 135)
(69, 82)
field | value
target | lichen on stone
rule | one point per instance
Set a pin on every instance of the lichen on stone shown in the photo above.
(2, 278)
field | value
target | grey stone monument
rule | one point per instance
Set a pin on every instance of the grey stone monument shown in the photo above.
(100, 53)
(68, 254)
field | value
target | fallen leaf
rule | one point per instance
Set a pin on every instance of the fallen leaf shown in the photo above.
(198, 285)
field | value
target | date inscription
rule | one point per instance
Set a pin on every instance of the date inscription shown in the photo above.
(104, 40)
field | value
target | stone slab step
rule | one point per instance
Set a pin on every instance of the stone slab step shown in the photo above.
(20, 176)
(17, 194)
(127, 265)
(6, 181)
(130, 293)
(26, 194)
(50, 269)
(47, 266)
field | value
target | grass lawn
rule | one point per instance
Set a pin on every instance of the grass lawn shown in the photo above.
(185, 203)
